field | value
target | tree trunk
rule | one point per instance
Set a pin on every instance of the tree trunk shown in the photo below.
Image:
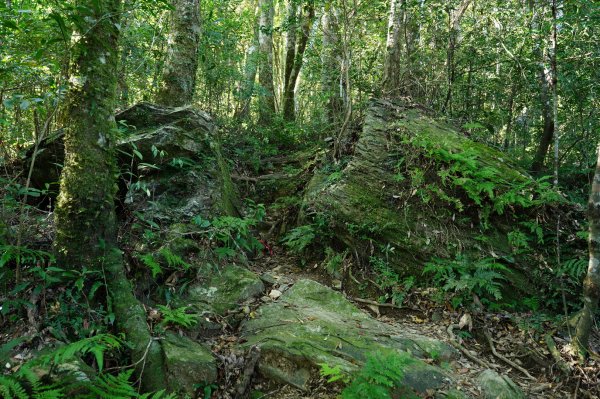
(247, 86)
(295, 49)
(454, 17)
(391, 85)
(591, 284)
(331, 71)
(181, 65)
(266, 103)
(85, 213)
(546, 80)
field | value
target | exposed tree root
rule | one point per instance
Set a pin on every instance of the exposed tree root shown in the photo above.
(504, 358)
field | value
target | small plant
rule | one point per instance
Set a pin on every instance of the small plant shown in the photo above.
(379, 378)
(390, 281)
(463, 277)
(177, 316)
(298, 239)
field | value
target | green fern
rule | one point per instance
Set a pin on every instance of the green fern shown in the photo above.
(484, 277)
(380, 376)
(574, 268)
(178, 316)
(298, 239)
(151, 263)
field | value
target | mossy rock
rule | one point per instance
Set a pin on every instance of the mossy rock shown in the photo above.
(226, 290)
(419, 186)
(175, 153)
(311, 324)
(496, 386)
(188, 364)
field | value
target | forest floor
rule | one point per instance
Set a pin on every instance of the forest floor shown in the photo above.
(538, 377)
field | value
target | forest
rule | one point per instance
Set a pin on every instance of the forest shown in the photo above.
(355, 199)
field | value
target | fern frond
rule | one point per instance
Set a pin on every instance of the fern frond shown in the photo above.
(11, 388)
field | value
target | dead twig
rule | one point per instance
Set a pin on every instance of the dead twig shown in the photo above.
(461, 348)
(504, 358)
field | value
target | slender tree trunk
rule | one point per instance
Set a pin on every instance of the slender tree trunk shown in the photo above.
(85, 217)
(591, 284)
(391, 85)
(331, 70)
(295, 48)
(266, 103)
(547, 81)
(454, 18)
(181, 65)
(290, 56)
(247, 86)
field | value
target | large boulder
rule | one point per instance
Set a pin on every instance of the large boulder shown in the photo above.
(417, 188)
(170, 161)
(312, 325)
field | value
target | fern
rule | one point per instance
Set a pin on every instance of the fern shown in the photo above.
(574, 268)
(484, 277)
(298, 239)
(151, 263)
(26, 384)
(379, 377)
(173, 260)
(96, 346)
(178, 316)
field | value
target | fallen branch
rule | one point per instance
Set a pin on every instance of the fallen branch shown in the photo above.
(562, 365)
(383, 305)
(461, 348)
(505, 359)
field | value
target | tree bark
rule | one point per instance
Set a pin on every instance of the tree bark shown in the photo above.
(266, 103)
(247, 86)
(591, 284)
(181, 65)
(547, 81)
(86, 231)
(454, 17)
(391, 85)
(295, 48)
(331, 69)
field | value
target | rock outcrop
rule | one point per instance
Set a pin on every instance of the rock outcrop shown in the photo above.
(417, 188)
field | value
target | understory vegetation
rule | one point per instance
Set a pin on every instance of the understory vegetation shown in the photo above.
(170, 169)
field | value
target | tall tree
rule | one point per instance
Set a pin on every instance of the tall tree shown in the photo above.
(85, 217)
(547, 81)
(246, 87)
(300, 21)
(391, 85)
(591, 284)
(454, 17)
(331, 68)
(181, 65)
(266, 101)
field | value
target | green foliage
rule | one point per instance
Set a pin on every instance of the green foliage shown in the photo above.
(26, 384)
(299, 238)
(334, 374)
(574, 268)
(233, 235)
(462, 277)
(334, 261)
(177, 316)
(380, 376)
(397, 287)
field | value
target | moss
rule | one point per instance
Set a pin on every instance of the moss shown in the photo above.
(225, 291)
(312, 324)
(392, 193)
